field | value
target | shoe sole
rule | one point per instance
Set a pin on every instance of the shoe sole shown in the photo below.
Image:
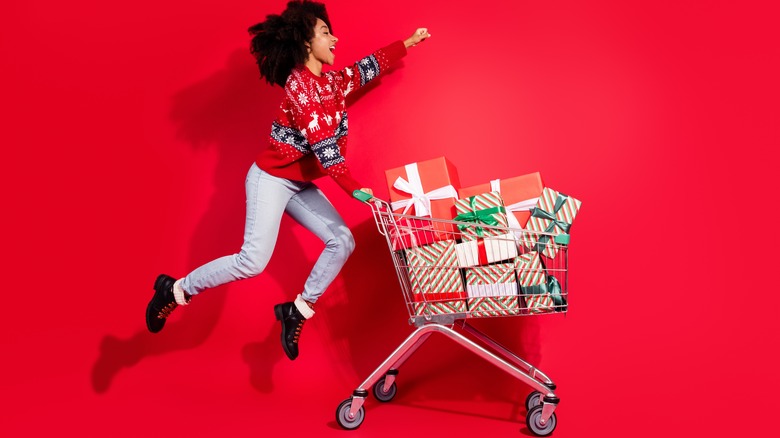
(280, 318)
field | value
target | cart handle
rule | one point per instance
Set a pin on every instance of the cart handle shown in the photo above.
(379, 209)
(361, 196)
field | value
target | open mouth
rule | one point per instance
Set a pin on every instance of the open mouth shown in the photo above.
(333, 48)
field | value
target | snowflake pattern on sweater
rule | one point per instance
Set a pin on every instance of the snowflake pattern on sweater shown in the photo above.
(308, 139)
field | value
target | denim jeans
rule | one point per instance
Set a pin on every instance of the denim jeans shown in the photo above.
(267, 198)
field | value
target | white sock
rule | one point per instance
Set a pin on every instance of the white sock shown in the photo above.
(304, 308)
(178, 293)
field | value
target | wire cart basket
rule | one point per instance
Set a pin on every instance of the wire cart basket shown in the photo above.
(453, 271)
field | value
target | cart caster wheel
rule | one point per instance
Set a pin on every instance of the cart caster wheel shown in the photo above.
(534, 422)
(342, 415)
(381, 394)
(533, 399)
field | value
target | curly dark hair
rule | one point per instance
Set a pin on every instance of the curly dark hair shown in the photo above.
(279, 42)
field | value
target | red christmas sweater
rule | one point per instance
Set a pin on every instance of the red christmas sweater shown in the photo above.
(309, 136)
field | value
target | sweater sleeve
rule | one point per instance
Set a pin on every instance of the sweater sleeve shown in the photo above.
(369, 68)
(309, 119)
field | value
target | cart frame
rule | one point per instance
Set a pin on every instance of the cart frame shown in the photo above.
(541, 403)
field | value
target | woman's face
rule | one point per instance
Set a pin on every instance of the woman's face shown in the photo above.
(323, 44)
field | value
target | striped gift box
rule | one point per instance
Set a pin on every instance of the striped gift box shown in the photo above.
(435, 278)
(554, 214)
(493, 306)
(492, 290)
(520, 195)
(533, 283)
(487, 208)
(440, 307)
(491, 281)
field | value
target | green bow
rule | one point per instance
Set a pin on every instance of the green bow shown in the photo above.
(554, 222)
(552, 288)
(486, 216)
(555, 292)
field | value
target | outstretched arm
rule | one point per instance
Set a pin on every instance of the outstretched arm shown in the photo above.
(367, 69)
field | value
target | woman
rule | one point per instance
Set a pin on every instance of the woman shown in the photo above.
(308, 140)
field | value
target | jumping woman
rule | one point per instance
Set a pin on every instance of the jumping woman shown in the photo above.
(308, 140)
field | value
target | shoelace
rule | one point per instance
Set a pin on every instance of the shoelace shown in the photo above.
(165, 311)
(298, 331)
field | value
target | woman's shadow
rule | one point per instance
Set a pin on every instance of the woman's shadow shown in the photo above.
(230, 111)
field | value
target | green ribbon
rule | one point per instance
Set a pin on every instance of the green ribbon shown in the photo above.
(486, 216)
(554, 221)
(537, 289)
(555, 292)
(551, 288)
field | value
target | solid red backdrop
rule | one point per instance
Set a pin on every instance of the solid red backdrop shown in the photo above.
(128, 130)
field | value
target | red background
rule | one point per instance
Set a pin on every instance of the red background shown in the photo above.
(128, 129)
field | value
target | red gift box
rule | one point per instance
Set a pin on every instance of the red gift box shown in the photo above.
(411, 233)
(426, 189)
(520, 195)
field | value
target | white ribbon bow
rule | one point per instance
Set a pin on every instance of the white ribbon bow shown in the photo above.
(419, 199)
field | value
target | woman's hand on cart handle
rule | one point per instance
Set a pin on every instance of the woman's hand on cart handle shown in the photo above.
(365, 194)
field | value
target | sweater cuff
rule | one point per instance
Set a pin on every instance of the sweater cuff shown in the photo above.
(394, 51)
(345, 180)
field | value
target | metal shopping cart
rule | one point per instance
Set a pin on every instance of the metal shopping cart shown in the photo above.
(494, 271)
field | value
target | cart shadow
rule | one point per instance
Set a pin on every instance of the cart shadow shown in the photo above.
(476, 386)
(220, 113)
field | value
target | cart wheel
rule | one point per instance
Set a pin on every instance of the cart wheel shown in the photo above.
(533, 399)
(534, 422)
(342, 415)
(381, 394)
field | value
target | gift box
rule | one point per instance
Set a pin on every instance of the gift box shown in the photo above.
(440, 308)
(492, 290)
(411, 233)
(532, 279)
(520, 195)
(486, 250)
(491, 281)
(486, 208)
(426, 189)
(434, 276)
(554, 214)
(493, 306)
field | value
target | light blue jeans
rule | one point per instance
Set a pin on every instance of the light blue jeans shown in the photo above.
(267, 198)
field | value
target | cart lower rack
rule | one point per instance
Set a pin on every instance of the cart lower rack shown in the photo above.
(452, 271)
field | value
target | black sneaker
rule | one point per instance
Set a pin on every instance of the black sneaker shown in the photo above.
(292, 324)
(162, 303)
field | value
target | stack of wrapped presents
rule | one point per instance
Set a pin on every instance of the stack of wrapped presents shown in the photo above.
(484, 250)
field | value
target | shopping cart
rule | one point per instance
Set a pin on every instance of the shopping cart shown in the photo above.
(495, 271)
